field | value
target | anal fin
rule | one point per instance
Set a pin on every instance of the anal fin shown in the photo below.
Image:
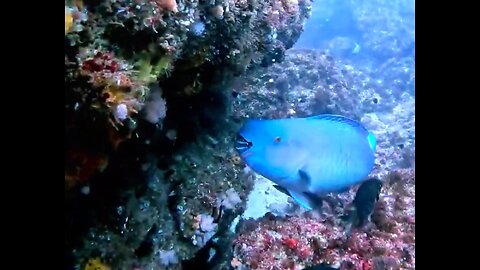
(306, 200)
(282, 189)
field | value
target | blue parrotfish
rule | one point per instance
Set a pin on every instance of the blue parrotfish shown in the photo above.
(308, 158)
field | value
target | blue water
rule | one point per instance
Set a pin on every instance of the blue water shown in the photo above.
(366, 33)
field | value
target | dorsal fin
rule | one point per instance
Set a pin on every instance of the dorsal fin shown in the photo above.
(353, 123)
(341, 119)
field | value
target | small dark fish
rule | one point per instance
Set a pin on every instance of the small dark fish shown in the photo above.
(364, 203)
(366, 198)
(322, 266)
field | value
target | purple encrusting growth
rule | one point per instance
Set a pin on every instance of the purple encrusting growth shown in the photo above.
(206, 223)
(229, 199)
(168, 257)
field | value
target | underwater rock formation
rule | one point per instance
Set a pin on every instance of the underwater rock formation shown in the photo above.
(117, 52)
(141, 216)
(294, 242)
(151, 177)
(310, 82)
(155, 92)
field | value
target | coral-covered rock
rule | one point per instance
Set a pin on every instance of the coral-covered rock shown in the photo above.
(293, 242)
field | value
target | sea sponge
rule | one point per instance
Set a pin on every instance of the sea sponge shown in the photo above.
(170, 5)
(168, 257)
(229, 199)
(155, 108)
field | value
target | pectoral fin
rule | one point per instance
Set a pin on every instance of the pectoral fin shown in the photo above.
(305, 179)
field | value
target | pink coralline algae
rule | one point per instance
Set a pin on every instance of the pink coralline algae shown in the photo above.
(296, 242)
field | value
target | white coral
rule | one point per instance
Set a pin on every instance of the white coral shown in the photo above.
(168, 257)
(206, 223)
(229, 200)
(155, 108)
(121, 112)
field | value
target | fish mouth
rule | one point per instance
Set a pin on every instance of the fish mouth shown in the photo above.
(242, 144)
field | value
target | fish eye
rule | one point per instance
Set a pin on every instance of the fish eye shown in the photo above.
(277, 139)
